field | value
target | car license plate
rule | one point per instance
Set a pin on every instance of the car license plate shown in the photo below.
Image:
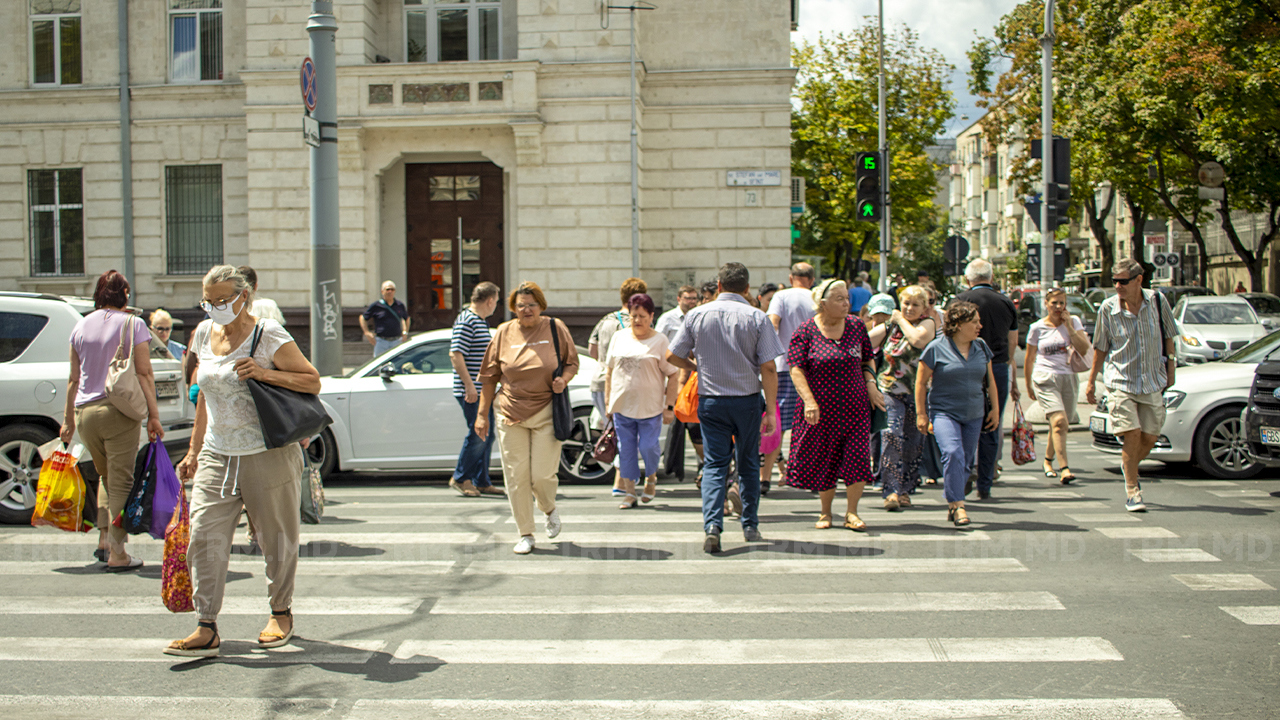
(1098, 424)
(1270, 435)
(167, 388)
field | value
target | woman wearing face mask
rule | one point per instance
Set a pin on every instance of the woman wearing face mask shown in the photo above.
(109, 434)
(231, 465)
(905, 336)
(636, 374)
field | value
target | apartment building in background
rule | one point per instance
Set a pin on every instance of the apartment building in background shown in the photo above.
(478, 140)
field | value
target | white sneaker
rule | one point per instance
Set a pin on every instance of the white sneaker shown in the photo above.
(525, 546)
(553, 524)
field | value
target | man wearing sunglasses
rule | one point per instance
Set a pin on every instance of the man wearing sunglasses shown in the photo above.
(1134, 344)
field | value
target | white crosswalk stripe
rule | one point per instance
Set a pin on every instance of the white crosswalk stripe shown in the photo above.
(1222, 581)
(1255, 615)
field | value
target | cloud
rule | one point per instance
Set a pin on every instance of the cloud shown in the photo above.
(945, 25)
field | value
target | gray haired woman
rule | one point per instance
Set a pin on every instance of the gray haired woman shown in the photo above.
(232, 468)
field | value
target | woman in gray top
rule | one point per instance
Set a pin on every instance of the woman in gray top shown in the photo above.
(957, 365)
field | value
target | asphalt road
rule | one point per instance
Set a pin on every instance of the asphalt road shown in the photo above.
(1054, 604)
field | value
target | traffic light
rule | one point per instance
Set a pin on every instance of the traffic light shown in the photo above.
(1059, 204)
(870, 197)
(1059, 197)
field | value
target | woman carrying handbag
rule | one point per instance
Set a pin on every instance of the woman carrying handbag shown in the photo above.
(1057, 347)
(234, 466)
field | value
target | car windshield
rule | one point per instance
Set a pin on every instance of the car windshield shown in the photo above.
(1219, 314)
(1265, 304)
(1256, 351)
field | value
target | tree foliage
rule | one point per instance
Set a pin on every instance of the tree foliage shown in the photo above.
(835, 118)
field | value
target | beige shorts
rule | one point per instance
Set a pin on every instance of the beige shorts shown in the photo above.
(1134, 411)
(1056, 393)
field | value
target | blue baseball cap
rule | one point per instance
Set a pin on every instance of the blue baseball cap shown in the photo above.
(881, 303)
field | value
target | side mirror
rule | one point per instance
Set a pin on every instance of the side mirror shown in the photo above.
(386, 372)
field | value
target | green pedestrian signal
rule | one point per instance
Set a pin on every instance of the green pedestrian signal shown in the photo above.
(870, 198)
(795, 234)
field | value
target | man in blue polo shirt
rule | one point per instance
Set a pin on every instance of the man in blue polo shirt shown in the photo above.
(390, 320)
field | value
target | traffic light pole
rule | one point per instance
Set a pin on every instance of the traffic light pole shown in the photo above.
(1047, 260)
(885, 243)
(326, 280)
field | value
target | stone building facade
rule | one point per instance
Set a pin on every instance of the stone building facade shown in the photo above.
(478, 140)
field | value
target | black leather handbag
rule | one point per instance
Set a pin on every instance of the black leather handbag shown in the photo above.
(561, 408)
(285, 416)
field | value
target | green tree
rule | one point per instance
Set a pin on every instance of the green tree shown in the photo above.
(835, 118)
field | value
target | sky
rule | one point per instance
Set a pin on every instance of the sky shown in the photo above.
(944, 25)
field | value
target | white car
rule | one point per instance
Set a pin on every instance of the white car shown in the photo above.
(398, 412)
(1202, 414)
(1210, 327)
(35, 336)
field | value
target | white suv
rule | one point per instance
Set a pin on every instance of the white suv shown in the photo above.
(35, 335)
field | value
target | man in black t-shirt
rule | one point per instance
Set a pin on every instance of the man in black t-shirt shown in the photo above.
(1000, 332)
(389, 318)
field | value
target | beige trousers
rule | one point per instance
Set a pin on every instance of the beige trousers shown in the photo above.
(268, 486)
(112, 440)
(530, 459)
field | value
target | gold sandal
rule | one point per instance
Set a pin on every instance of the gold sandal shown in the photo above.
(824, 521)
(854, 523)
(271, 638)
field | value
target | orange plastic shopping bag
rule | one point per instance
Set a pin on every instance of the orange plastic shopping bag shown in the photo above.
(687, 401)
(60, 493)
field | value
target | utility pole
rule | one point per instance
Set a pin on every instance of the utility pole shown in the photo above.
(605, 9)
(1047, 229)
(886, 244)
(326, 282)
(126, 145)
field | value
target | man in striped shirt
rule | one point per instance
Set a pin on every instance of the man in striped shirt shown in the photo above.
(1133, 341)
(466, 351)
(735, 345)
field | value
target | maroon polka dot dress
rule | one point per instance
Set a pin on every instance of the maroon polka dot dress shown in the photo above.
(838, 447)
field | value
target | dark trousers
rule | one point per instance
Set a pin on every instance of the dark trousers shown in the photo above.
(473, 458)
(989, 442)
(724, 421)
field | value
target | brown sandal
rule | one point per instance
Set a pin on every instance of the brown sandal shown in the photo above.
(271, 638)
(854, 523)
(824, 521)
(209, 649)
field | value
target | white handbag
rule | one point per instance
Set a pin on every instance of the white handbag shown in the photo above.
(123, 389)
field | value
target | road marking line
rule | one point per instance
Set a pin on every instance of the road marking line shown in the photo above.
(107, 650)
(1080, 505)
(1249, 493)
(232, 605)
(716, 566)
(1173, 555)
(1270, 503)
(771, 535)
(428, 538)
(306, 567)
(92, 707)
(1255, 614)
(745, 604)
(1206, 483)
(1135, 533)
(1223, 581)
(735, 652)
(1083, 518)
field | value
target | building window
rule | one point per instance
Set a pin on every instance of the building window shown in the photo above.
(193, 218)
(195, 27)
(452, 30)
(57, 222)
(55, 42)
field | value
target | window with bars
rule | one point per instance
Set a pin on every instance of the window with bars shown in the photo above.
(57, 221)
(55, 42)
(195, 28)
(193, 218)
(452, 30)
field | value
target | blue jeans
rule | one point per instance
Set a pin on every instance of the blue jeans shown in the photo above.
(989, 444)
(724, 420)
(958, 442)
(473, 458)
(636, 439)
(381, 345)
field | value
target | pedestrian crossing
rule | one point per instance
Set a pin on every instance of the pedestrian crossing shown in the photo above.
(427, 588)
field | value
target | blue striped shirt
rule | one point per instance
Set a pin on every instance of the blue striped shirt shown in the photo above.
(731, 339)
(471, 338)
(1132, 344)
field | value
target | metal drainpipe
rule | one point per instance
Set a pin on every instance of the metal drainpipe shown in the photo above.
(126, 146)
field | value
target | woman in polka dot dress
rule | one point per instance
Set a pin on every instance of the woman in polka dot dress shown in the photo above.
(832, 368)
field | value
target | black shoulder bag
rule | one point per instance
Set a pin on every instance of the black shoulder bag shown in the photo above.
(285, 416)
(561, 408)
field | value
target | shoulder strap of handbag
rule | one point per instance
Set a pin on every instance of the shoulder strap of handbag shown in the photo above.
(125, 328)
(1159, 303)
(257, 337)
(555, 340)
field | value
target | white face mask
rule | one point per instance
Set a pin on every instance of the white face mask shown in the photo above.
(224, 315)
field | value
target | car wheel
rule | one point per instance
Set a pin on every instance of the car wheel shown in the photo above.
(576, 460)
(323, 454)
(1220, 448)
(19, 470)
